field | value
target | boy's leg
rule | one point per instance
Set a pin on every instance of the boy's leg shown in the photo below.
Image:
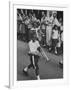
(36, 67)
(29, 66)
(31, 62)
(53, 45)
(56, 46)
(55, 50)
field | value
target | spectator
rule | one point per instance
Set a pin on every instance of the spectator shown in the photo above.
(55, 36)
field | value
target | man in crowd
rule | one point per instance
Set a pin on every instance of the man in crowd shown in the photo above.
(49, 20)
(43, 28)
(55, 20)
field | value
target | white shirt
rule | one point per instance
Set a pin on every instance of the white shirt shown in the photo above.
(33, 46)
(55, 34)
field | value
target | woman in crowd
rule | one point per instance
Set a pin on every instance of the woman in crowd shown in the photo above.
(49, 20)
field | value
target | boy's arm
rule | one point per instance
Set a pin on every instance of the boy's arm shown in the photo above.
(39, 49)
(29, 45)
(38, 46)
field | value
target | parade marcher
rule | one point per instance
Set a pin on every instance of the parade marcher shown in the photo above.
(34, 52)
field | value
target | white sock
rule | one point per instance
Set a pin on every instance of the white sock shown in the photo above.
(38, 77)
(55, 51)
(26, 68)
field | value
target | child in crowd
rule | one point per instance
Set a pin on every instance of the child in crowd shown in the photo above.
(55, 37)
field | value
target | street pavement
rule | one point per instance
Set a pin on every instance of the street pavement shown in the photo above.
(47, 70)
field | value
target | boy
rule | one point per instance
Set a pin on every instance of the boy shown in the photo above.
(34, 56)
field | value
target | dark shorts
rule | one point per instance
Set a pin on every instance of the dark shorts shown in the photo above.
(35, 65)
(54, 42)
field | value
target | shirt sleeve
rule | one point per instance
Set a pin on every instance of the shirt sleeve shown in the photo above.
(29, 44)
(37, 43)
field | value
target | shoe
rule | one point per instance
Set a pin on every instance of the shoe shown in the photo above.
(47, 61)
(56, 52)
(38, 78)
(49, 49)
(25, 72)
(61, 65)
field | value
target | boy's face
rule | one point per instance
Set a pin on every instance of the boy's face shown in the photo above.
(33, 39)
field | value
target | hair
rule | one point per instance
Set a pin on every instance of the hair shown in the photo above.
(55, 27)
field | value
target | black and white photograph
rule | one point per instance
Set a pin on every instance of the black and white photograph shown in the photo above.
(39, 44)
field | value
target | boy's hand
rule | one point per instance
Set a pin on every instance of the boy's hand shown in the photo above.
(39, 49)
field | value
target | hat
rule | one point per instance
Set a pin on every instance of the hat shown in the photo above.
(54, 12)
